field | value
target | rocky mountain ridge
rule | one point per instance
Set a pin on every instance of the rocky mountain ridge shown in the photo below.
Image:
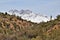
(29, 16)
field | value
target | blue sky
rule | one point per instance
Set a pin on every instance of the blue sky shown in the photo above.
(47, 7)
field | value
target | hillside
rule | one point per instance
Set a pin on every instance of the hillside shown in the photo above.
(14, 28)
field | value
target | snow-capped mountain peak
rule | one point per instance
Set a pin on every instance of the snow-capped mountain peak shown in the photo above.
(30, 16)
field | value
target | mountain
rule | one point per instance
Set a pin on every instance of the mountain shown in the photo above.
(14, 28)
(29, 15)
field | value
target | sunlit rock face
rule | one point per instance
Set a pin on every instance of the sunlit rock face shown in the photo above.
(29, 16)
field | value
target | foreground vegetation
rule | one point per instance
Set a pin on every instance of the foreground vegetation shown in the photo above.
(15, 28)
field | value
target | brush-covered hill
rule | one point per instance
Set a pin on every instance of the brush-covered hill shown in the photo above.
(14, 28)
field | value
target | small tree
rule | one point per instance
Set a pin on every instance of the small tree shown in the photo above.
(58, 17)
(5, 13)
(50, 17)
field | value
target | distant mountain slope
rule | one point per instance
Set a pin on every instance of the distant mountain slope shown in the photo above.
(29, 16)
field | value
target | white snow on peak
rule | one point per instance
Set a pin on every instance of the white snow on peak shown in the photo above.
(29, 16)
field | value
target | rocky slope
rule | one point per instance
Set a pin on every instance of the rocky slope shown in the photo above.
(10, 21)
